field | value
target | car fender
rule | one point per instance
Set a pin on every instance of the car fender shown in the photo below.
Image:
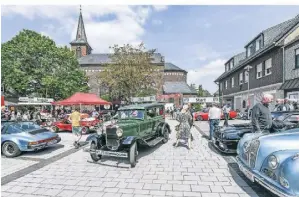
(22, 144)
(161, 127)
(129, 140)
(96, 138)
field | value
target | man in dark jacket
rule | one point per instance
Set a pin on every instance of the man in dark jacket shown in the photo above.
(261, 118)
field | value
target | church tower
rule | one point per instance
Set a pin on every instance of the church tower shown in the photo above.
(80, 45)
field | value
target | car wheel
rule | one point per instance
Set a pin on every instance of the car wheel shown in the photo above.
(199, 118)
(84, 130)
(94, 156)
(55, 129)
(133, 154)
(165, 135)
(10, 149)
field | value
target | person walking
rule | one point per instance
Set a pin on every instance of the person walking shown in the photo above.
(75, 118)
(214, 118)
(286, 106)
(226, 110)
(261, 118)
(184, 129)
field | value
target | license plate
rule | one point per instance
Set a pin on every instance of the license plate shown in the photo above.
(112, 154)
(52, 142)
(247, 173)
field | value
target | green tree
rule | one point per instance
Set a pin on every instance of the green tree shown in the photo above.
(200, 91)
(131, 73)
(31, 57)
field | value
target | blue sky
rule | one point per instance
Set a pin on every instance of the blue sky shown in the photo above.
(198, 39)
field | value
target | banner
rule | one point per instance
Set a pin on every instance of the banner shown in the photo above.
(143, 99)
(201, 100)
(35, 100)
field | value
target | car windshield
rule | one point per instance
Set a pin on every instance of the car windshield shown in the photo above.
(131, 114)
(22, 127)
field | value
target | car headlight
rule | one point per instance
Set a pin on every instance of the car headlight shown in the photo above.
(273, 162)
(246, 147)
(284, 182)
(119, 132)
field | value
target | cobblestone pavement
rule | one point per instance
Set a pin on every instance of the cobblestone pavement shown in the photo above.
(160, 171)
(203, 128)
(28, 161)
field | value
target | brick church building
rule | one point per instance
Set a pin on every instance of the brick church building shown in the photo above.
(174, 79)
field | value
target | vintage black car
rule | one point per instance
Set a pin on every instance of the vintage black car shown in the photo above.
(226, 138)
(135, 125)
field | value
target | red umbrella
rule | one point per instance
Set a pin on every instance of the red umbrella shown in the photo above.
(80, 98)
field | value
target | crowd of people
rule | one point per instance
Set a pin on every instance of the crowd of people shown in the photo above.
(286, 105)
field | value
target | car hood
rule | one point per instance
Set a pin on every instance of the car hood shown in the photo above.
(237, 130)
(269, 143)
(33, 135)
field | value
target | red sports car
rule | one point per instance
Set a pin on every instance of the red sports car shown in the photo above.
(87, 124)
(204, 115)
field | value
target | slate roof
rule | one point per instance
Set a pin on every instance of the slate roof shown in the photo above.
(178, 87)
(172, 67)
(290, 84)
(271, 36)
(104, 58)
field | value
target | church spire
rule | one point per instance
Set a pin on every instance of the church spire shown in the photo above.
(80, 45)
(81, 35)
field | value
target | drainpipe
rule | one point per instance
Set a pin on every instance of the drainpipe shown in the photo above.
(218, 91)
(283, 69)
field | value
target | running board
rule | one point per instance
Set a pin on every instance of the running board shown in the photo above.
(154, 142)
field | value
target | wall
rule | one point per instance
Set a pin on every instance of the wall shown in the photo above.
(174, 76)
(290, 71)
(275, 77)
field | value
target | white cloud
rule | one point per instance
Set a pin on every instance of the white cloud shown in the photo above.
(160, 7)
(126, 25)
(157, 22)
(205, 75)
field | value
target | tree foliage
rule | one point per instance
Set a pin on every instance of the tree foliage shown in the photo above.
(131, 73)
(202, 92)
(31, 57)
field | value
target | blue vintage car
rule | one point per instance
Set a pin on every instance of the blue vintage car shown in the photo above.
(17, 137)
(272, 161)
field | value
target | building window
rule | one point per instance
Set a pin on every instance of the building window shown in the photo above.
(232, 63)
(233, 82)
(259, 69)
(246, 77)
(78, 52)
(220, 86)
(258, 44)
(240, 78)
(249, 50)
(226, 84)
(226, 68)
(268, 67)
(297, 58)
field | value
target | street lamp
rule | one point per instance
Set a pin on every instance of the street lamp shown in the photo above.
(247, 68)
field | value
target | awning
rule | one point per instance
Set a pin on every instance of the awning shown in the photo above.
(82, 98)
(290, 84)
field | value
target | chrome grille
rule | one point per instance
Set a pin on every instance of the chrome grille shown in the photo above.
(252, 152)
(112, 141)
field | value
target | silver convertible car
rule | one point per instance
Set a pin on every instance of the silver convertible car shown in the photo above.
(272, 161)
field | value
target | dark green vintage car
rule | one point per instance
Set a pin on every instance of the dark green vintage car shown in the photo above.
(134, 125)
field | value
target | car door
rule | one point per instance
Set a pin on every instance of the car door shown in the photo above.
(293, 118)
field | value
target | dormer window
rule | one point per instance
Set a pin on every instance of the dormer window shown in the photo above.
(232, 63)
(249, 50)
(258, 44)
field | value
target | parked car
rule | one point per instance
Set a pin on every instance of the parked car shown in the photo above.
(275, 113)
(272, 161)
(204, 115)
(87, 124)
(136, 125)
(18, 137)
(226, 138)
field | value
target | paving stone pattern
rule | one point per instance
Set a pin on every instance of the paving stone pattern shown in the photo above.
(161, 171)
